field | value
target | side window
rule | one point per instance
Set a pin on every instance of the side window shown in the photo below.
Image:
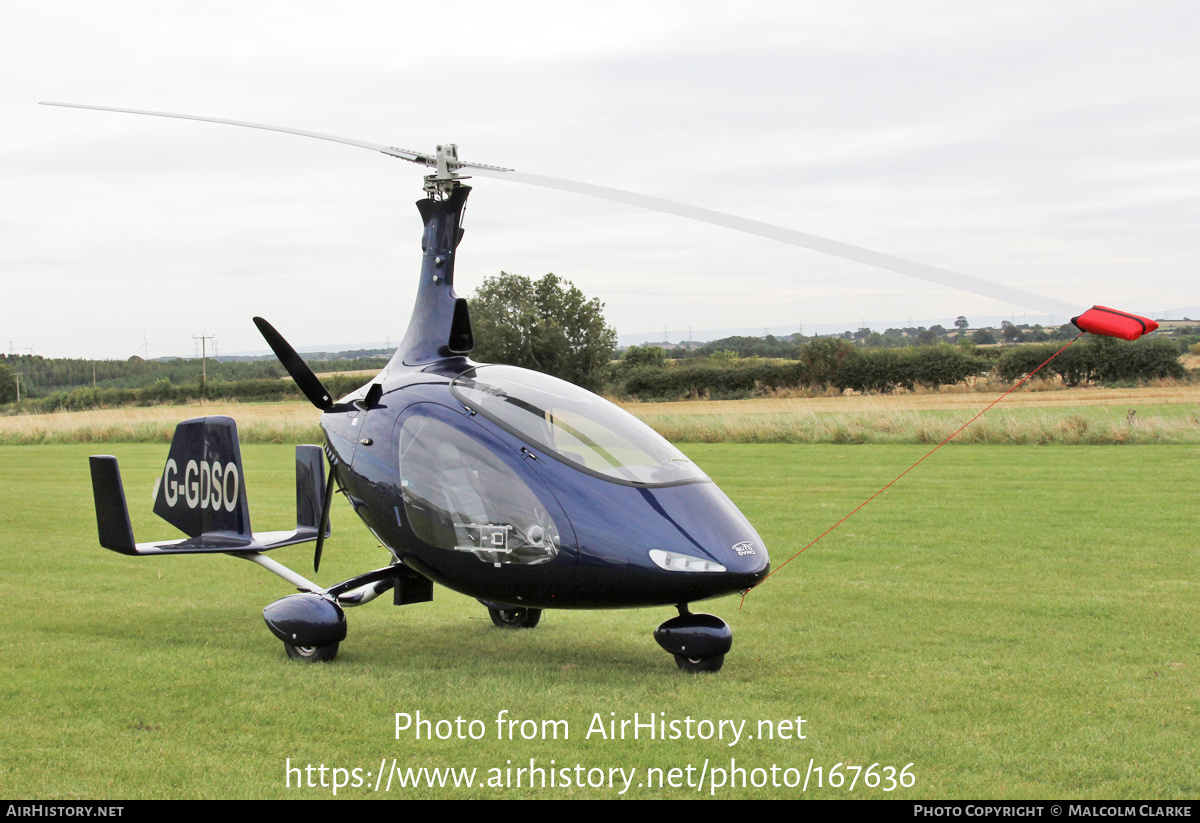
(461, 497)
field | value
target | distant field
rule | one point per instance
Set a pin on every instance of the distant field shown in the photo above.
(364, 373)
(1086, 415)
(257, 423)
(951, 398)
(1074, 416)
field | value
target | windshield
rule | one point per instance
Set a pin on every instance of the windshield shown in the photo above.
(574, 425)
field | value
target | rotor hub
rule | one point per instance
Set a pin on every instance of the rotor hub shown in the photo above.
(440, 185)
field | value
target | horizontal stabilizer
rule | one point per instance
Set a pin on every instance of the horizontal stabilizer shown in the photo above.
(1112, 323)
(226, 544)
(222, 523)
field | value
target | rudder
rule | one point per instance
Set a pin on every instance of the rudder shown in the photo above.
(202, 488)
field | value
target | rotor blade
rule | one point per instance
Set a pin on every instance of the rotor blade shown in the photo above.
(324, 526)
(308, 382)
(406, 155)
(858, 254)
(943, 277)
(421, 158)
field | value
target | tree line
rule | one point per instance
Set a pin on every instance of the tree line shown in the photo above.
(834, 363)
(549, 325)
(790, 347)
(43, 377)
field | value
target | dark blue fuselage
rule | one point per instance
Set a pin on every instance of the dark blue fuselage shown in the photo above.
(477, 507)
(606, 529)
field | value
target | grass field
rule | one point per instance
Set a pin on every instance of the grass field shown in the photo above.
(1096, 416)
(1013, 622)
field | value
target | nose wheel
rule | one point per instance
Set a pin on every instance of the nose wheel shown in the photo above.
(698, 642)
(311, 654)
(700, 664)
(310, 625)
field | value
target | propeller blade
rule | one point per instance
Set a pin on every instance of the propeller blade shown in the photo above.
(944, 277)
(324, 527)
(308, 382)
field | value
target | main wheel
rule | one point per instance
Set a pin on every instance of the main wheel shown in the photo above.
(700, 664)
(515, 618)
(311, 654)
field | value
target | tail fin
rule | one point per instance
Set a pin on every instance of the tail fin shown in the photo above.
(310, 486)
(202, 488)
(112, 513)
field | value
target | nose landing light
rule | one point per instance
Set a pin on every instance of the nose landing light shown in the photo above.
(676, 562)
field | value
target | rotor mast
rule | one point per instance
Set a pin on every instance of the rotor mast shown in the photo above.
(441, 324)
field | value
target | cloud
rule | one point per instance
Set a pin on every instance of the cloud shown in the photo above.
(1052, 146)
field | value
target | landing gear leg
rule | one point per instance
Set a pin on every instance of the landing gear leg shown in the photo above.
(698, 642)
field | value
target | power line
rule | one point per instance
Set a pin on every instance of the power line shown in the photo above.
(203, 338)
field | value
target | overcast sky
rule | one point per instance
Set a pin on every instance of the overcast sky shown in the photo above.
(1051, 146)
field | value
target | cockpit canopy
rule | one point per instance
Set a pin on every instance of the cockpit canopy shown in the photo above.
(575, 426)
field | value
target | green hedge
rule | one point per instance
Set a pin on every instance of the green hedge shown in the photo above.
(163, 392)
(832, 362)
(1100, 359)
(823, 362)
(711, 380)
(881, 370)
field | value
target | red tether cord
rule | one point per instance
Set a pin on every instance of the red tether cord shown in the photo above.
(1015, 386)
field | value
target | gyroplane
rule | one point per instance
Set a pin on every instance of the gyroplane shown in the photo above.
(510, 486)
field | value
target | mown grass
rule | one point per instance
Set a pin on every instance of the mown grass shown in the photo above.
(1014, 622)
